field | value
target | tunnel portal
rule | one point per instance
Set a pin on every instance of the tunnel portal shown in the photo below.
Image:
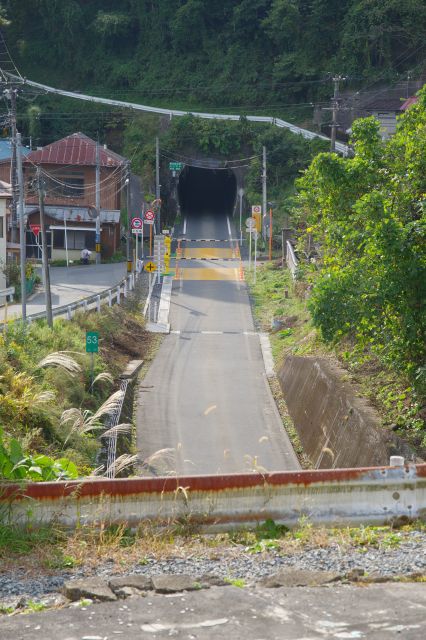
(207, 191)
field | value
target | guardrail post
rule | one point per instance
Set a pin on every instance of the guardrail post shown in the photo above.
(69, 313)
(118, 294)
(125, 289)
(85, 305)
(98, 304)
(110, 298)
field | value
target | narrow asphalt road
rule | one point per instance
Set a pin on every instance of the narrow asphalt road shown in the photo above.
(71, 284)
(208, 408)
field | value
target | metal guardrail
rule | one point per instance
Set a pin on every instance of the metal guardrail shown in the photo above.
(342, 497)
(278, 122)
(107, 296)
(291, 260)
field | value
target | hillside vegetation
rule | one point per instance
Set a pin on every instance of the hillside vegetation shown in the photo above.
(239, 52)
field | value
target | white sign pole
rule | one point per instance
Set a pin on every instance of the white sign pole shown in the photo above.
(250, 231)
(149, 296)
(66, 239)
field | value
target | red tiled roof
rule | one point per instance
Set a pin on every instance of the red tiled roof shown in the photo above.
(407, 104)
(76, 149)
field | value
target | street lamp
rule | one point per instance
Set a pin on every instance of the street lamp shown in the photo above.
(241, 194)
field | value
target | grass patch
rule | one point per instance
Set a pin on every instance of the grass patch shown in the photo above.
(51, 550)
(33, 420)
(275, 296)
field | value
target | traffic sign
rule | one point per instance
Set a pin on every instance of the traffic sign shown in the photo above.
(149, 221)
(139, 232)
(92, 341)
(256, 208)
(149, 215)
(137, 223)
(35, 228)
(175, 166)
(150, 266)
(250, 224)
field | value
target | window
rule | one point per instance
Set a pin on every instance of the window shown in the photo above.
(75, 239)
(68, 183)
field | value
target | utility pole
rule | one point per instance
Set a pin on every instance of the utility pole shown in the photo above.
(10, 93)
(98, 205)
(129, 223)
(157, 180)
(44, 255)
(264, 204)
(20, 177)
(334, 109)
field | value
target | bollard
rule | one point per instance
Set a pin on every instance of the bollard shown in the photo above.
(396, 461)
(98, 304)
(110, 298)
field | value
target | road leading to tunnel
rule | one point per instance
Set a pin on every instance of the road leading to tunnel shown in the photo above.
(209, 409)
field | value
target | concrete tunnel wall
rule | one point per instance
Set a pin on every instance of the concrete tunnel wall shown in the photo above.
(207, 191)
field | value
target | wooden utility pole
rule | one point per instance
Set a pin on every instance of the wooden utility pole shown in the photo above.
(23, 257)
(44, 255)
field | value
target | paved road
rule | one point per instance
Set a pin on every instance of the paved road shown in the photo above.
(210, 405)
(70, 285)
(377, 612)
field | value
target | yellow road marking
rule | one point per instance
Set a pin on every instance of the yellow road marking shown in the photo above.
(210, 409)
(207, 252)
(220, 273)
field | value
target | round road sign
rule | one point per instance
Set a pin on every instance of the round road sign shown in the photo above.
(149, 215)
(250, 223)
(150, 266)
(137, 223)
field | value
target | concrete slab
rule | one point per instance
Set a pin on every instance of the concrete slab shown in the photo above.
(379, 612)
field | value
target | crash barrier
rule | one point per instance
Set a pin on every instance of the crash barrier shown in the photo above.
(108, 296)
(329, 497)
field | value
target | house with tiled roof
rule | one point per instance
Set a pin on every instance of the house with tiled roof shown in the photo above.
(69, 174)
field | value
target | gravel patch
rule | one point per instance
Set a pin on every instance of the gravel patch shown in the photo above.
(408, 558)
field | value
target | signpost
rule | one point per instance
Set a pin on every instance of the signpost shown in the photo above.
(150, 267)
(251, 226)
(175, 166)
(92, 347)
(149, 217)
(256, 213)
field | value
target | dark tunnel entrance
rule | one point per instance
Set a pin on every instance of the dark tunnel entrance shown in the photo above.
(207, 191)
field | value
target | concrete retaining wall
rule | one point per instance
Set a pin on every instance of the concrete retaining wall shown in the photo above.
(336, 427)
(338, 497)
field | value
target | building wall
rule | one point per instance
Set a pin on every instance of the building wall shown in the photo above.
(110, 182)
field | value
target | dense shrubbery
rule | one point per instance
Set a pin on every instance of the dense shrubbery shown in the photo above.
(368, 216)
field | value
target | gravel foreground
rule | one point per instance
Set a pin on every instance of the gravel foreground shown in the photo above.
(406, 560)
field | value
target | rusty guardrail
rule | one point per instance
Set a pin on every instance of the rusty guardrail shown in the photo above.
(330, 497)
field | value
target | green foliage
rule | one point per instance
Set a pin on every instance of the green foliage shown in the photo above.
(368, 215)
(16, 465)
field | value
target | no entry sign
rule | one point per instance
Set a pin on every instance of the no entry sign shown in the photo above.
(137, 223)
